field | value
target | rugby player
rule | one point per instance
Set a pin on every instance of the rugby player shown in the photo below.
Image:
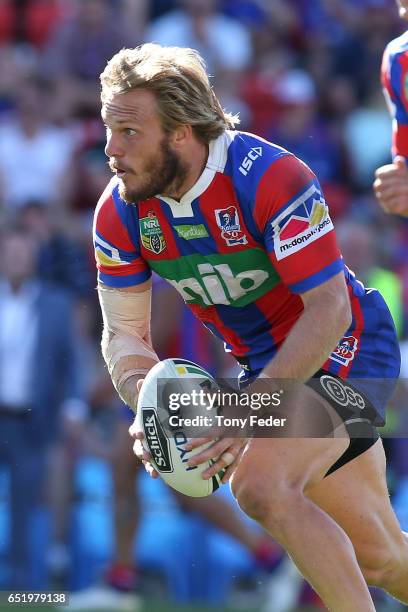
(391, 180)
(240, 227)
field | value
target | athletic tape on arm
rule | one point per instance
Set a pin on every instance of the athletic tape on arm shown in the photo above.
(126, 319)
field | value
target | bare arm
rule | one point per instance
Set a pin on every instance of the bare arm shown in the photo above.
(325, 318)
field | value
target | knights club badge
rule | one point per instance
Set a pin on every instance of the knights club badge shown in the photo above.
(228, 222)
(345, 350)
(151, 233)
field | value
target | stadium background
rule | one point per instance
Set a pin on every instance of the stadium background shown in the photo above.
(303, 73)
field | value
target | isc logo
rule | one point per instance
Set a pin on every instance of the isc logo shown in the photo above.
(249, 159)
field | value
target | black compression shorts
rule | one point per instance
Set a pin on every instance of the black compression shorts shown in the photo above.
(353, 408)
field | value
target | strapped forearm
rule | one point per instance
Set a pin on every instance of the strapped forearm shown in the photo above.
(128, 359)
(126, 345)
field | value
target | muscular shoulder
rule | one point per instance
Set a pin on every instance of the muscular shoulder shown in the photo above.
(113, 218)
(106, 205)
(249, 159)
(394, 75)
(249, 156)
(116, 240)
(395, 58)
(264, 175)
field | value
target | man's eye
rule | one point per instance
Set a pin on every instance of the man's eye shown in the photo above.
(129, 132)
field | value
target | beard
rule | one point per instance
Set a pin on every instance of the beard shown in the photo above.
(162, 174)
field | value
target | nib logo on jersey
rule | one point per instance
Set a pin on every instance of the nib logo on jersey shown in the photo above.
(303, 222)
(217, 284)
(228, 222)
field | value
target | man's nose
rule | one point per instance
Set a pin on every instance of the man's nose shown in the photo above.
(113, 148)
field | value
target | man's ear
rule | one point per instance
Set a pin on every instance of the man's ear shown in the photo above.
(181, 136)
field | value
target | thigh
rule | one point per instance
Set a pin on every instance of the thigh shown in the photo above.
(356, 497)
(294, 462)
(301, 455)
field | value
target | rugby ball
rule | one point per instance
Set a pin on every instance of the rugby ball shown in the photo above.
(165, 434)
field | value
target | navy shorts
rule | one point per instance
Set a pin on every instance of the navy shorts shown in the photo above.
(360, 375)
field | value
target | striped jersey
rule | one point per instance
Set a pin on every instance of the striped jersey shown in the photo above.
(240, 246)
(394, 79)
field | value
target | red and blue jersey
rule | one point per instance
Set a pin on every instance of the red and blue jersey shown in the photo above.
(394, 79)
(249, 237)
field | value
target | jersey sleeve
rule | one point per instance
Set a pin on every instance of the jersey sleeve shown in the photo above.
(394, 79)
(293, 218)
(117, 256)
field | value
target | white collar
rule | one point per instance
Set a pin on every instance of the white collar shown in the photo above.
(217, 158)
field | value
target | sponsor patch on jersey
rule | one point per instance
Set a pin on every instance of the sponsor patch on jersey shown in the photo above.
(191, 232)
(345, 350)
(249, 159)
(303, 222)
(229, 224)
(151, 234)
(218, 284)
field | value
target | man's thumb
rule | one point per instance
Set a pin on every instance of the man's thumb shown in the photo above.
(400, 162)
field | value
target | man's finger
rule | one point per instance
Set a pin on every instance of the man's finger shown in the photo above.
(212, 452)
(150, 469)
(385, 170)
(197, 442)
(135, 431)
(392, 170)
(226, 459)
(390, 185)
(400, 162)
(396, 205)
(140, 451)
(399, 207)
(392, 195)
(232, 467)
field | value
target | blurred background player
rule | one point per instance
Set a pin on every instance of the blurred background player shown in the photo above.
(36, 350)
(391, 184)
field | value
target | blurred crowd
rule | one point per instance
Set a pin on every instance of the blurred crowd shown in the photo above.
(302, 73)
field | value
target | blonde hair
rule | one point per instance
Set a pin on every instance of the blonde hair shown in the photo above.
(178, 79)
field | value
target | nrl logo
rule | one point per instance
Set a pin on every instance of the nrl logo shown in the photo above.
(151, 233)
